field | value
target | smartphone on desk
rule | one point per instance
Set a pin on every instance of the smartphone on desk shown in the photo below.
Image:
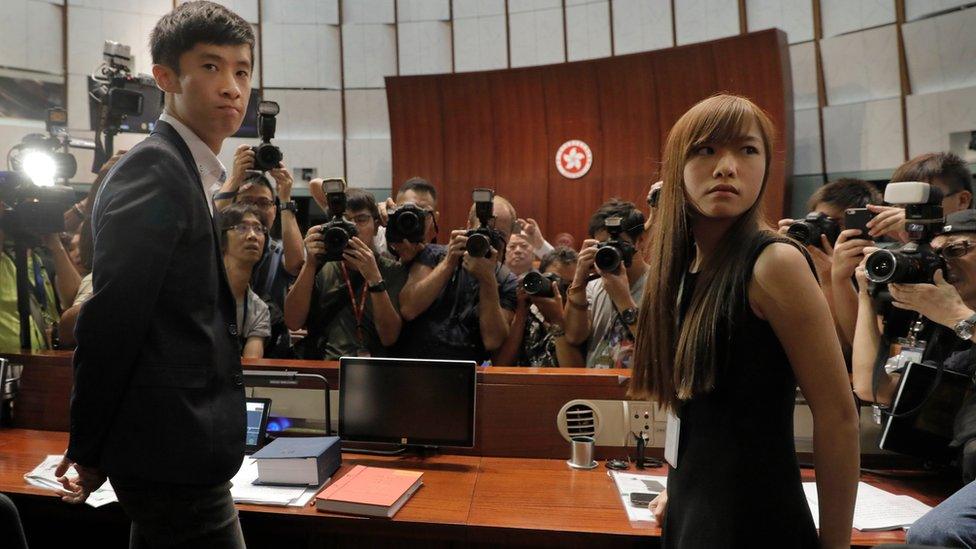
(642, 499)
(857, 218)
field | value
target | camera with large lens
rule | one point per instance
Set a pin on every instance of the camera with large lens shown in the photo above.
(539, 284)
(337, 232)
(31, 211)
(407, 223)
(615, 251)
(808, 230)
(482, 239)
(267, 156)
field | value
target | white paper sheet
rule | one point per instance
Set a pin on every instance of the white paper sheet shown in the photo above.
(875, 509)
(43, 476)
(244, 490)
(632, 482)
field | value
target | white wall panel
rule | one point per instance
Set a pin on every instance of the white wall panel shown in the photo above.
(480, 43)
(368, 11)
(941, 51)
(478, 8)
(861, 66)
(370, 55)
(806, 142)
(703, 20)
(13, 34)
(367, 115)
(537, 37)
(804, 67)
(248, 9)
(793, 16)
(933, 116)
(915, 9)
(641, 25)
(317, 12)
(308, 114)
(370, 163)
(525, 6)
(323, 154)
(316, 65)
(843, 16)
(424, 47)
(588, 30)
(863, 136)
(423, 10)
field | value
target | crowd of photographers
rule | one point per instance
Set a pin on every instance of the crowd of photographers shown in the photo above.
(898, 272)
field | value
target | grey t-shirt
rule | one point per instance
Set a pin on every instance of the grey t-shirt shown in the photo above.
(258, 320)
(610, 345)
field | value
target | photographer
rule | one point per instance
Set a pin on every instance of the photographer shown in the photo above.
(349, 304)
(519, 254)
(458, 306)
(536, 336)
(602, 311)
(243, 240)
(422, 194)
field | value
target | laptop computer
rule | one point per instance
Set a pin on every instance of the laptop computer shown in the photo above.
(928, 431)
(258, 410)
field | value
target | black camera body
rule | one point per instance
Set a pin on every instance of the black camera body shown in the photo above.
(32, 211)
(539, 284)
(481, 240)
(267, 156)
(337, 232)
(406, 223)
(613, 253)
(808, 230)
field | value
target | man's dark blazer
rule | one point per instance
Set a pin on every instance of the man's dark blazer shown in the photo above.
(158, 390)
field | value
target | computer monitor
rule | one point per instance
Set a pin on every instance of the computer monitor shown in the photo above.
(257, 423)
(152, 107)
(407, 401)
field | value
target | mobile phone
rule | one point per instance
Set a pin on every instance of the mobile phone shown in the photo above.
(857, 218)
(642, 499)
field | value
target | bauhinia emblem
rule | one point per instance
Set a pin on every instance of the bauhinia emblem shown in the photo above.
(573, 159)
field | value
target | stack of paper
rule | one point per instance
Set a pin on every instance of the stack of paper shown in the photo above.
(874, 509)
(43, 477)
(245, 491)
(631, 482)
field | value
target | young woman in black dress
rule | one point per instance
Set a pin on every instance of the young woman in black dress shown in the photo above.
(731, 321)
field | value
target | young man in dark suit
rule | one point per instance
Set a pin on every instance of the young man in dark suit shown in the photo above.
(158, 402)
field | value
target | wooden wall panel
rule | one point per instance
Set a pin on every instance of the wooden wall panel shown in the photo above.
(414, 104)
(683, 76)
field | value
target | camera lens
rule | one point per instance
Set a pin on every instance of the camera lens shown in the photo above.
(408, 223)
(804, 232)
(535, 283)
(881, 266)
(478, 245)
(608, 258)
(335, 238)
(267, 157)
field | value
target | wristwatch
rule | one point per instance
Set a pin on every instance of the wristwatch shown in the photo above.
(629, 316)
(964, 328)
(290, 206)
(378, 287)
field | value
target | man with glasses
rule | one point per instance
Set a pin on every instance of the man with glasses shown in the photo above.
(350, 306)
(243, 240)
(285, 256)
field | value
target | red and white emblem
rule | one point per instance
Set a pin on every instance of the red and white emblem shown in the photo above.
(573, 159)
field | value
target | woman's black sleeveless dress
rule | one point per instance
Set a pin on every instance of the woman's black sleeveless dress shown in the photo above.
(737, 483)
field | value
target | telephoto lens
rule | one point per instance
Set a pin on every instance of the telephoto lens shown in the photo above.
(608, 258)
(899, 267)
(478, 245)
(537, 284)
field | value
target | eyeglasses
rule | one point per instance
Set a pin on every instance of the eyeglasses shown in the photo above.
(362, 219)
(956, 249)
(244, 228)
(263, 203)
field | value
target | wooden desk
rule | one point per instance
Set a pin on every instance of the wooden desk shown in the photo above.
(466, 500)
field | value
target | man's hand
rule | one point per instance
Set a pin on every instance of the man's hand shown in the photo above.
(888, 220)
(77, 490)
(849, 251)
(456, 247)
(551, 307)
(384, 209)
(314, 244)
(482, 268)
(521, 297)
(406, 251)
(584, 262)
(939, 302)
(784, 225)
(283, 180)
(530, 228)
(360, 257)
(243, 161)
(823, 259)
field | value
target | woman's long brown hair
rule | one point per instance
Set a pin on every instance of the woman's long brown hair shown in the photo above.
(672, 362)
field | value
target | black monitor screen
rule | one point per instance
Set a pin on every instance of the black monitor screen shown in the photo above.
(249, 127)
(152, 107)
(414, 402)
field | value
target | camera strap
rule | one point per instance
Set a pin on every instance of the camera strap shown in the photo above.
(358, 309)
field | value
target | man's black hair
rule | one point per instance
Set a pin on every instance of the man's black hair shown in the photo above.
(631, 219)
(846, 193)
(561, 254)
(180, 30)
(418, 184)
(358, 199)
(947, 168)
(258, 178)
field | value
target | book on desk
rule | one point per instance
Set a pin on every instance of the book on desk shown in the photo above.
(370, 491)
(298, 460)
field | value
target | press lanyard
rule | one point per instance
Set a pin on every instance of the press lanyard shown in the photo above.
(358, 309)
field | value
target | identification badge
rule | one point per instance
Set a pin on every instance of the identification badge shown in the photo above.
(671, 437)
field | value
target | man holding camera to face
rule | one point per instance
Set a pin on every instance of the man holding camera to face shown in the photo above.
(345, 293)
(609, 283)
(458, 302)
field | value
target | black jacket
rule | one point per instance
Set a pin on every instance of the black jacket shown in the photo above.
(158, 390)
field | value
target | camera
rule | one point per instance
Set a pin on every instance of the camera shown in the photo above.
(482, 239)
(31, 211)
(914, 262)
(407, 222)
(808, 230)
(337, 232)
(267, 156)
(538, 284)
(615, 251)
